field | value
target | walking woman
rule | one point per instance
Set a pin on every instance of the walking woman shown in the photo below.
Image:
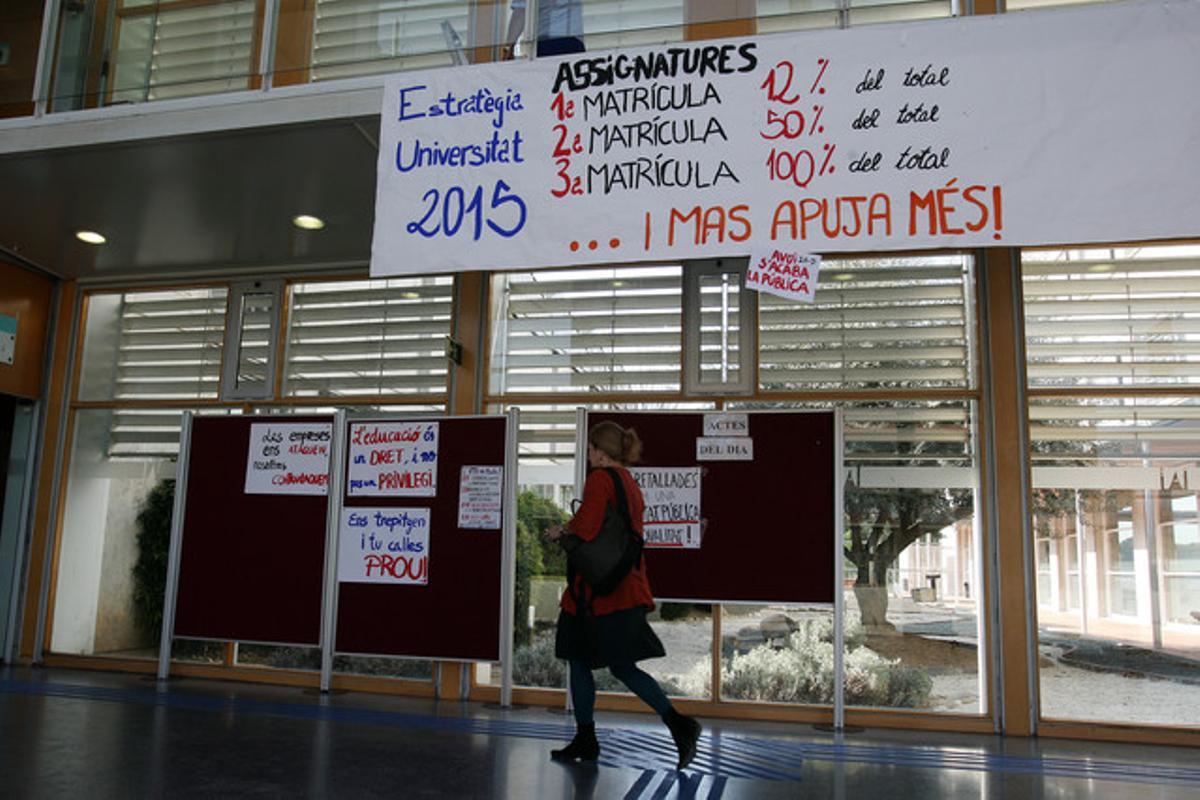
(610, 630)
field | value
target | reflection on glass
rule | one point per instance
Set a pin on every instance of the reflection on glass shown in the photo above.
(162, 345)
(1120, 475)
(360, 37)
(254, 339)
(686, 633)
(112, 558)
(720, 307)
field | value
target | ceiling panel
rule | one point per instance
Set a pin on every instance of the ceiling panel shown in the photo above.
(194, 203)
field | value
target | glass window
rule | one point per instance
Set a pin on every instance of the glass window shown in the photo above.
(252, 340)
(116, 527)
(368, 338)
(719, 333)
(587, 330)
(913, 618)
(609, 24)
(876, 324)
(358, 37)
(790, 15)
(1098, 320)
(160, 345)
(186, 49)
(1027, 5)
(1113, 317)
(1180, 562)
(546, 487)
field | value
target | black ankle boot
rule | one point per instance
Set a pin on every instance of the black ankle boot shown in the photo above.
(583, 747)
(686, 732)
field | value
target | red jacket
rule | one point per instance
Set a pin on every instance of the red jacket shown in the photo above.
(598, 493)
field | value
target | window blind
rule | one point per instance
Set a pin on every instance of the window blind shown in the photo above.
(790, 15)
(599, 330)
(193, 49)
(357, 37)
(609, 24)
(875, 324)
(1113, 319)
(368, 338)
(169, 345)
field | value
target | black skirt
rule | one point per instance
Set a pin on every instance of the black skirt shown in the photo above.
(622, 637)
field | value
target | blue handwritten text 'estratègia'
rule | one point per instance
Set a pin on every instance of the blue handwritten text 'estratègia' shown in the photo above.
(483, 101)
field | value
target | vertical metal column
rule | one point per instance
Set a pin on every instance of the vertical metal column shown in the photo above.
(333, 518)
(44, 69)
(508, 557)
(266, 53)
(839, 567)
(173, 554)
(529, 36)
(581, 465)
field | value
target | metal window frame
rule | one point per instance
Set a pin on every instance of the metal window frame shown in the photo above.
(229, 389)
(747, 381)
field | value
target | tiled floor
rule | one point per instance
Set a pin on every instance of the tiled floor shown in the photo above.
(100, 735)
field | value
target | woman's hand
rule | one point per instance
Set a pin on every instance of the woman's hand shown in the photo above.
(554, 533)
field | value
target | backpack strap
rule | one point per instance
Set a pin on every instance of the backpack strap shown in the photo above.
(622, 501)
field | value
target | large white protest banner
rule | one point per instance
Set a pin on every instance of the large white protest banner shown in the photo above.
(1077, 125)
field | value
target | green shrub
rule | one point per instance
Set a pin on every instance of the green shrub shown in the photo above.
(150, 569)
(674, 611)
(538, 513)
(534, 664)
(802, 672)
(529, 563)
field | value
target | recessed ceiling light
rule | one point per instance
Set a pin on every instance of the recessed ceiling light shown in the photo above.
(1100, 268)
(842, 276)
(91, 237)
(308, 223)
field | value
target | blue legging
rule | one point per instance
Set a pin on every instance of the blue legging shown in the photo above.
(583, 690)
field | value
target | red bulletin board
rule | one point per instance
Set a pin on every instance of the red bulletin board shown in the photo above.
(456, 615)
(769, 533)
(251, 565)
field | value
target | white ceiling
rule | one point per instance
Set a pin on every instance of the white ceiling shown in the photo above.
(201, 202)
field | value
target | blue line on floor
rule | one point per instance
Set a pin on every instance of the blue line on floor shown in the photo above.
(720, 755)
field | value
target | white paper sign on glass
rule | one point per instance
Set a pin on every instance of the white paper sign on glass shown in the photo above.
(288, 458)
(724, 449)
(783, 273)
(480, 496)
(1018, 129)
(8, 338)
(394, 459)
(384, 545)
(726, 424)
(672, 515)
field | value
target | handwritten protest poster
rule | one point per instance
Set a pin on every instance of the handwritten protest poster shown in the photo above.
(928, 134)
(384, 545)
(672, 515)
(783, 273)
(394, 459)
(480, 497)
(288, 458)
